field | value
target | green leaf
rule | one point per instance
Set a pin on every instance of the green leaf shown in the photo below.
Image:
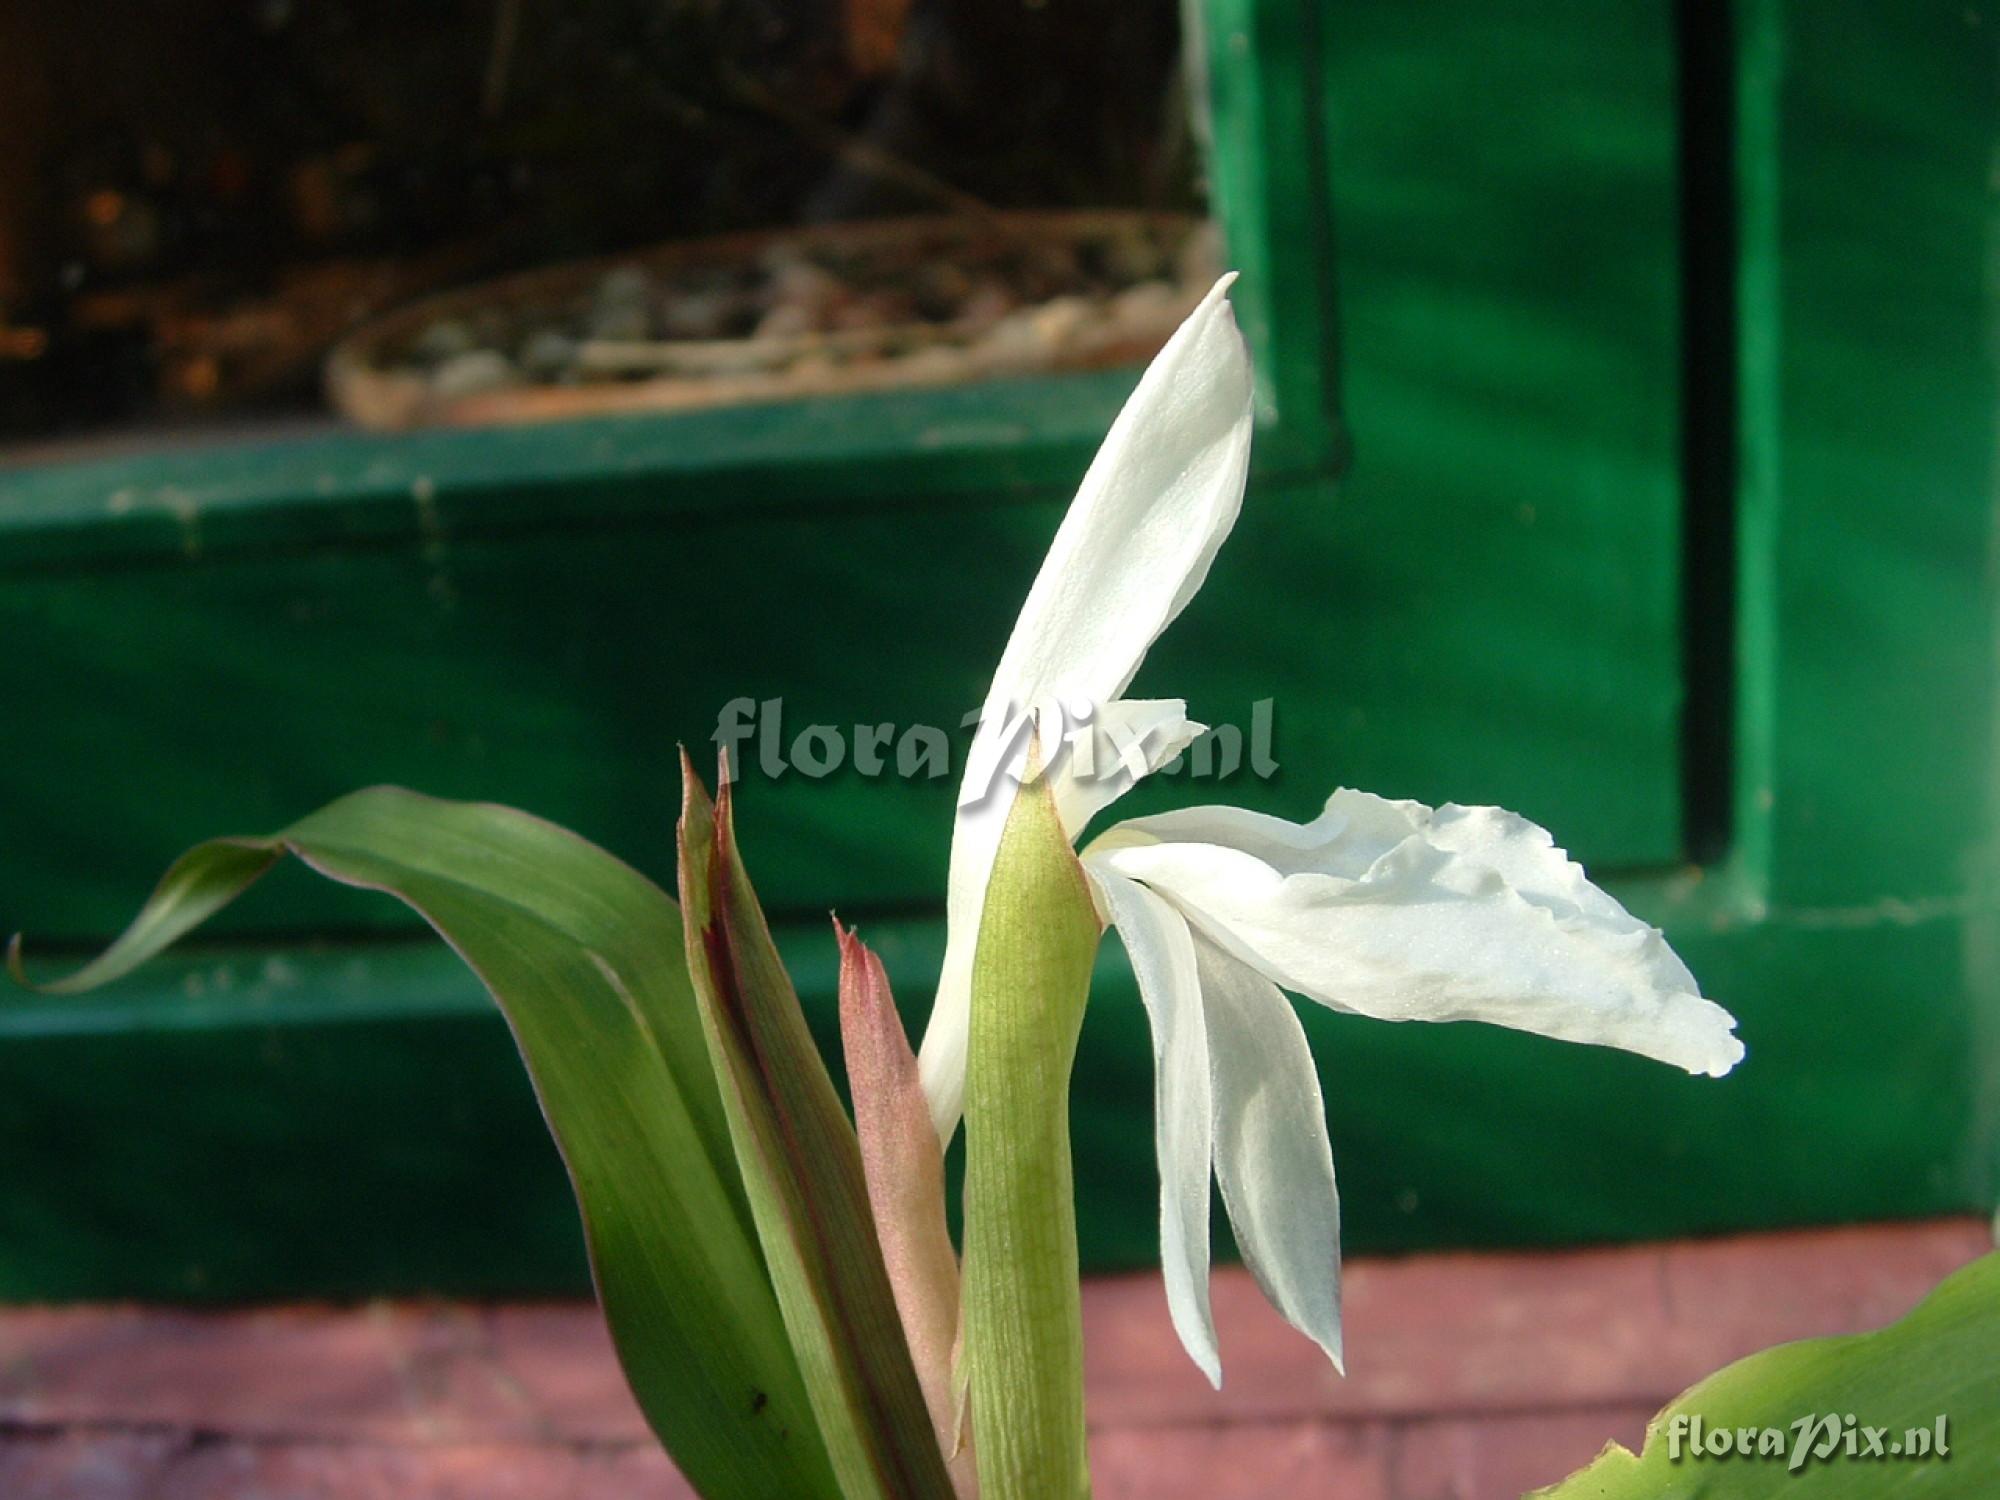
(802, 1168)
(585, 957)
(1023, 1315)
(1942, 1361)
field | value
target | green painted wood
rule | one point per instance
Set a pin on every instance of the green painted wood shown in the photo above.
(1504, 220)
(1261, 72)
(267, 1124)
(202, 499)
(290, 1122)
(1882, 397)
(157, 703)
(1860, 889)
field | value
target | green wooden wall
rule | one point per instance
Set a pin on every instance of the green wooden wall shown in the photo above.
(1628, 459)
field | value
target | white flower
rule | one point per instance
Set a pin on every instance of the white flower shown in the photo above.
(1380, 908)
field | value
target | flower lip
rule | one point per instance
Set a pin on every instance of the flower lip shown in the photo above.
(1472, 914)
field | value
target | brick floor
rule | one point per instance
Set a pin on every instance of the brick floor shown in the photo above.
(1470, 1377)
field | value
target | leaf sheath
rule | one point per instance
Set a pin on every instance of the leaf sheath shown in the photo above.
(1024, 1323)
(802, 1169)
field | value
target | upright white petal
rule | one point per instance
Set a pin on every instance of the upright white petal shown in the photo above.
(1403, 913)
(1272, 1155)
(1163, 959)
(1136, 543)
(1146, 523)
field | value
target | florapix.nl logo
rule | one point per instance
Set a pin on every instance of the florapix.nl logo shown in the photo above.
(1089, 743)
(1818, 1437)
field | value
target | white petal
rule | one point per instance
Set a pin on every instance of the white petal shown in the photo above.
(1163, 958)
(1124, 741)
(1353, 831)
(1153, 509)
(1136, 543)
(1399, 912)
(1272, 1155)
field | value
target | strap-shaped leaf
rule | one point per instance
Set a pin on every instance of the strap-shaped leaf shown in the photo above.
(586, 959)
(1923, 1396)
(801, 1166)
(1038, 938)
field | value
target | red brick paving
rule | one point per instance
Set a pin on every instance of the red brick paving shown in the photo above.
(1470, 1376)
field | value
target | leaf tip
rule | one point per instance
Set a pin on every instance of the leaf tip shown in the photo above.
(693, 792)
(880, 1061)
(725, 814)
(855, 971)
